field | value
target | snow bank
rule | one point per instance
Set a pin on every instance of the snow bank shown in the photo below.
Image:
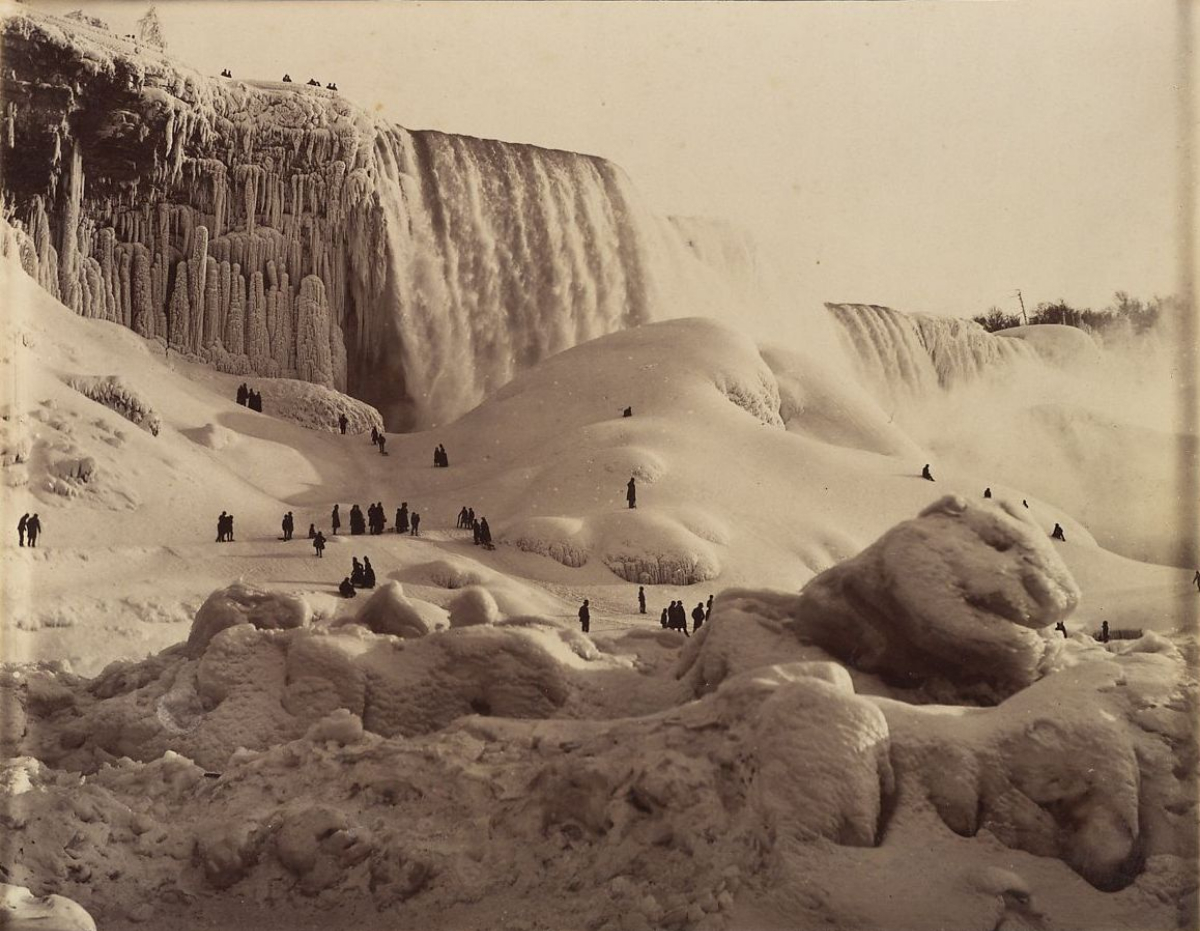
(473, 607)
(315, 406)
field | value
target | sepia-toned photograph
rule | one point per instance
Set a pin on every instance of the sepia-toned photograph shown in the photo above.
(599, 466)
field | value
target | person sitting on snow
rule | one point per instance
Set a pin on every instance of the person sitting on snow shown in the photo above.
(356, 573)
(926, 474)
(987, 492)
(1058, 533)
(347, 589)
(287, 79)
(368, 573)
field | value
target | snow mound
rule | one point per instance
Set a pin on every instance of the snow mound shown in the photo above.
(475, 606)
(21, 910)
(953, 603)
(1060, 345)
(116, 395)
(562, 539)
(212, 436)
(242, 604)
(315, 406)
(961, 593)
(388, 611)
(651, 548)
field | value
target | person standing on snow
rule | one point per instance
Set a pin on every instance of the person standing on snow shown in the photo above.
(663, 620)
(336, 519)
(631, 493)
(585, 617)
(347, 589)
(416, 524)
(343, 423)
(32, 528)
(319, 544)
(698, 616)
(1196, 580)
(402, 518)
(24, 522)
(987, 492)
(641, 599)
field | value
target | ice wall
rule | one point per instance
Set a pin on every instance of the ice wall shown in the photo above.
(906, 357)
(276, 229)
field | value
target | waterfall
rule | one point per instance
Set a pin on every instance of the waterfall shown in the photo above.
(908, 357)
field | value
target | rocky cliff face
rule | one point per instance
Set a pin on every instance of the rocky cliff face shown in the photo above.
(278, 230)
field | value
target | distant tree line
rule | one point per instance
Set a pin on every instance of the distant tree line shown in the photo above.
(1124, 311)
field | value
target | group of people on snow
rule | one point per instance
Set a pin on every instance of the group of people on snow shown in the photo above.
(440, 459)
(362, 575)
(248, 397)
(481, 533)
(225, 528)
(378, 439)
(1056, 534)
(28, 528)
(312, 82)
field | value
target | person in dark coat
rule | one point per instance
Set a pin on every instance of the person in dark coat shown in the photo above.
(698, 616)
(347, 589)
(681, 618)
(242, 394)
(336, 519)
(926, 474)
(343, 423)
(1024, 502)
(708, 608)
(437, 457)
(628, 412)
(585, 617)
(631, 493)
(356, 572)
(1058, 534)
(319, 544)
(641, 599)
(287, 79)
(368, 573)
(485, 533)
(470, 517)
(475, 533)
(357, 524)
(221, 527)
(1061, 628)
(374, 436)
(371, 519)
(382, 445)
(987, 492)
(312, 531)
(228, 528)
(1104, 631)
(1196, 580)
(402, 518)
(288, 526)
(33, 527)
(462, 518)
(416, 524)
(445, 458)
(663, 620)
(24, 521)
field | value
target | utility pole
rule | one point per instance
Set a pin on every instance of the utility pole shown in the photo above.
(1024, 316)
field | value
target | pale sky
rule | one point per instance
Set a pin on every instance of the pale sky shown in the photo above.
(927, 155)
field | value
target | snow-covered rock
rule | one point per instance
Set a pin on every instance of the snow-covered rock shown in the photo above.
(244, 604)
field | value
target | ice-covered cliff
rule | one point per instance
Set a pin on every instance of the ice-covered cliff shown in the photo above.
(277, 229)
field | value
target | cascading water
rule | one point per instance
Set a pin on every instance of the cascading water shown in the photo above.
(907, 357)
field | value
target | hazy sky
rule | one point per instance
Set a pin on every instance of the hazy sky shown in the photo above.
(932, 156)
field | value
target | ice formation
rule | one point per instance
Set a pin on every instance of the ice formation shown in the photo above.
(278, 230)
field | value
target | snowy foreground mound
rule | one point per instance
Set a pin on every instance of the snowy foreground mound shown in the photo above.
(458, 769)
